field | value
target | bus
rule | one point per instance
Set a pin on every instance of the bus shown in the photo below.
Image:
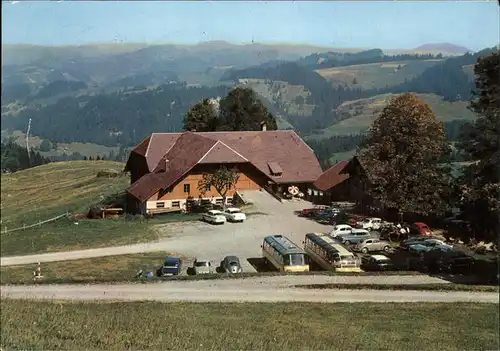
(329, 254)
(284, 254)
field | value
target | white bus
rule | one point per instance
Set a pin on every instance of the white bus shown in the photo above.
(329, 254)
(284, 254)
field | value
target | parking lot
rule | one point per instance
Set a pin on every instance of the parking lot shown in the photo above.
(214, 242)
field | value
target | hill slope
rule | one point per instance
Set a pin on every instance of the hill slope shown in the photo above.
(39, 193)
(359, 114)
(44, 192)
(376, 75)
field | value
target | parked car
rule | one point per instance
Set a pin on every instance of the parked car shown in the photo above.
(420, 228)
(307, 212)
(234, 214)
(325, 212)
(214, 217)
(451, 261)
(415, 240)
(354, 220)
(457, 218)
(356, 236)
(201, 266)
(231, 264)
(326, 216)
(171, 266)
(341, 229)
(376, 263)
(428, 245)
(339, 218)
(372, 244)
(370, 223)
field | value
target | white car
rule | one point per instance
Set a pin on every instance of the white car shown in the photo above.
(340, 229)
(202, 266)
(214, 217)
(234, 214)
(371, 223)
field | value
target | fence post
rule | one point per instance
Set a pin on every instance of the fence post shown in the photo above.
(24, 226)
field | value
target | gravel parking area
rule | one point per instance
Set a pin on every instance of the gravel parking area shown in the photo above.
(214, 242)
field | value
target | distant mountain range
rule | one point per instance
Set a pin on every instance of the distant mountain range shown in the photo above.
(444, 48)
(113, 94)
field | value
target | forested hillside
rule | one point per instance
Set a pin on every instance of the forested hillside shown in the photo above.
(110, 106)
(337, 59)
(122, 118)
(16, 158)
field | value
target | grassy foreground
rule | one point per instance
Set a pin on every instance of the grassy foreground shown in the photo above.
(251, 326)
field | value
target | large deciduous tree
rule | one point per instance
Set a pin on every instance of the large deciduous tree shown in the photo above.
(223, 179)
(201, 117)
(481, 181)
(241, 109)
(402, 155)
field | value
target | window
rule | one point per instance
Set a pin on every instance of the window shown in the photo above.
(229, 200)
(176, 204)
(187, 188)
(165, 191)
(218, 201)
(275, 169)
(160, 205)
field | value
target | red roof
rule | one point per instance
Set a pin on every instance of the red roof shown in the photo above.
(185, 150)
(331, 177)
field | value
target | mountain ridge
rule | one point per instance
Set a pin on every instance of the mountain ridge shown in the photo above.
(444, 47)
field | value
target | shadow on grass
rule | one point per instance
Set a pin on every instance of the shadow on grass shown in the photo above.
(422, 287)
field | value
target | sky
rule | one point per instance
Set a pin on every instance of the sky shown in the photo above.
(354, 24)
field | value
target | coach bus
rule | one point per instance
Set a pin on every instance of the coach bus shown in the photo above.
(284, 254)
(329, 254)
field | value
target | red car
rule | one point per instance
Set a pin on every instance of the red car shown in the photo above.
(307, 212)
(420, 228)
(355, 220)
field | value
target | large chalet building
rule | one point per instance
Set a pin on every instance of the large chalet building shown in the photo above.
(166, 168)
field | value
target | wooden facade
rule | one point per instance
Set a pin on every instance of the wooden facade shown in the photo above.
(187, 187)
(358, 184)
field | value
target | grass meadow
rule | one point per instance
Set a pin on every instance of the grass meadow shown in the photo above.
(247, 326)
(43, 192)
(376, 75)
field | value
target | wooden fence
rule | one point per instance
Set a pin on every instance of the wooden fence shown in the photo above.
(24, 227)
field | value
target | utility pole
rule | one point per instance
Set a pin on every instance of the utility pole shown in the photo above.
(27, 142)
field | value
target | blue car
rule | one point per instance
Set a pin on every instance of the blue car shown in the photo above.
(171, 266)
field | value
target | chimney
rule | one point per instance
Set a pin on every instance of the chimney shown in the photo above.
(263, 126)
(166, 165)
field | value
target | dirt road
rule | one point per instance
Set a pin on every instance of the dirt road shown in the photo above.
(277, 289)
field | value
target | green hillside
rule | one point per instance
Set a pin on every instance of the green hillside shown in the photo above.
(376, 75)
(39, 193)
(292, 99)
(44, 192)
(360, 114)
